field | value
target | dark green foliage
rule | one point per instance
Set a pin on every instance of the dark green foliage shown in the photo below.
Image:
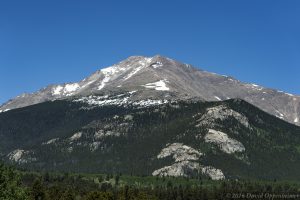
(137, 188)
(37, 190)
(68, 195)
(272, 153)
(272, 145)
(10, 185)
(95, 195)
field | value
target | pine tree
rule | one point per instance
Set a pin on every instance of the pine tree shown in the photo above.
(10, 185)
(38, 190)
(68, 195)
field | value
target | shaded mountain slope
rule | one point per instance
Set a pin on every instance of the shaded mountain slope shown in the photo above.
(224, 139)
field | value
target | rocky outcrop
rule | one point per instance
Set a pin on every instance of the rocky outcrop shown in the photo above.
(224, 142)
(222, 113)
(186, 163)
(20, 156)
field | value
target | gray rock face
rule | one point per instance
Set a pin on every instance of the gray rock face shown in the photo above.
(186, 162)
(221, 113)
(162, 78)
(226, 144)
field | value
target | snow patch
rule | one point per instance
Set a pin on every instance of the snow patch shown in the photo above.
(136, 70)
(296, 120)
(254, 86)
(142, 64)
(70, 88)
(146, 61)
(157, 65)
(57, 90)
(187, 65)
(218, 98)
(67, 90)
(149, 102)
(281, 116)
(103, 82)
(2, 111)
(132, 92)
(226, 144)
(88, 83)
(102, 101)
(159, 85)
(119, 100)
(108, 73)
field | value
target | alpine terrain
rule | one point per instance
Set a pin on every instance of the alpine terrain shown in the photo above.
(161, 78)
(155, 116)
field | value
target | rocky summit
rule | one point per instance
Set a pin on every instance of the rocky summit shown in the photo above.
(160, 78)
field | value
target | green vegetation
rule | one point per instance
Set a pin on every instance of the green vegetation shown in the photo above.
(16, 185)
(129, 140)
(133, 137)
(10, 184)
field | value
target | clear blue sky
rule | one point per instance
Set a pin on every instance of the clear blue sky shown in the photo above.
(56, 41)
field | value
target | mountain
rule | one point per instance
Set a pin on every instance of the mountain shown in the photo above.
(160, 78)
(155, 116)
(229, 139)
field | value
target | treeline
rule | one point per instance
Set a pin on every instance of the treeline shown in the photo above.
(16, 185)
(11, 187)
(107, 191)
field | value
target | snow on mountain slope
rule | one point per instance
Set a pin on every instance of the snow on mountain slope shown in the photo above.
(163, 78)
(159, 85)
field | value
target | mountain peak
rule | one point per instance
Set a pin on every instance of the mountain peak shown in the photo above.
(149, 59)
(162, 78)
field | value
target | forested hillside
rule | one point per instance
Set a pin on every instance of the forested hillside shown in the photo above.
(24, 185)
(216, 140)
